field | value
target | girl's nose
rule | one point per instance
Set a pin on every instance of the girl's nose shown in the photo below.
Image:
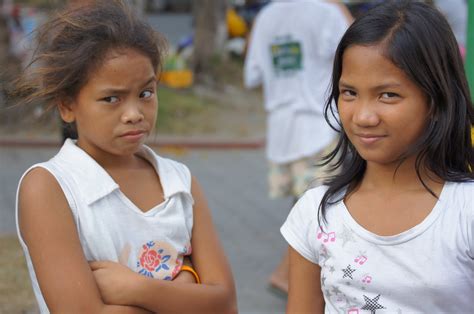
(132, 114)
(365, 115)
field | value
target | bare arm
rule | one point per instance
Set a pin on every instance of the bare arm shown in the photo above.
(305, 295)
(215, 294)
(49, 231)
(185, 276)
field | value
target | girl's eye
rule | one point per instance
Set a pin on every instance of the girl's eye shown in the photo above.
(146, 94)
(110, 99)
(389, 95)
(347, 93)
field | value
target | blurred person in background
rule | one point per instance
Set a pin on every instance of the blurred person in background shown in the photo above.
(455, 12)
(290, 53)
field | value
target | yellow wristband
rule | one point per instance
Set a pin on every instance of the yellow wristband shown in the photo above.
(192, 271)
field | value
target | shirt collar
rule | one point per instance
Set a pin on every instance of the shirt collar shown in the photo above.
(172, 179)
(89, 177)
(95, 183)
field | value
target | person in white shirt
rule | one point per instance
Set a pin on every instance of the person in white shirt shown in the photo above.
(393, 232)
(108, 226)
(290, 53)
(456, 14)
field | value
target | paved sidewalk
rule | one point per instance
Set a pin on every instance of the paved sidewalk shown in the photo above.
(235, 184)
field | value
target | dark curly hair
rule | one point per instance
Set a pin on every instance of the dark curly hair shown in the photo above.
(72, 44)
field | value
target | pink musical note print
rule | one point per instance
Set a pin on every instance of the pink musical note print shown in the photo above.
(326, 237)
(361, 259)
(367, 279)
(330, 237)
(353, 311)
(320, 233)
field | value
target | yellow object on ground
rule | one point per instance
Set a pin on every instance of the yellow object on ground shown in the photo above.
(236, 24)
(177, 78)
(176, 73)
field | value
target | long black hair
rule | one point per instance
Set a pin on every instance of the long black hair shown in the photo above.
(416, 38)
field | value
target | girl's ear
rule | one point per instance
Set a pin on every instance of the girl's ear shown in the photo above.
(66, 112)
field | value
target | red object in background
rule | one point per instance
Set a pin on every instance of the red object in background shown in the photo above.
(15, 14)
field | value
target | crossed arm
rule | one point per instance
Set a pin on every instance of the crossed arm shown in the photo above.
(69, 284)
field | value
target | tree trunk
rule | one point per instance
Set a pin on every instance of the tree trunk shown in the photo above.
(209, 37)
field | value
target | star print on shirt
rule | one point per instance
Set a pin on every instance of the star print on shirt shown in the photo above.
(346, 235)
(336, 291)
(324, 255)
(348, 272)
(372, 305)
(328, 294)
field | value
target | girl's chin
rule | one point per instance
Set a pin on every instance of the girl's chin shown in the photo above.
(380, 157)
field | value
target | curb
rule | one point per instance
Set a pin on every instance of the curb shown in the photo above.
(197, 143)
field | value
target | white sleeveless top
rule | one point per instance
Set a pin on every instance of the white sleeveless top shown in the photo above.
(111, 227)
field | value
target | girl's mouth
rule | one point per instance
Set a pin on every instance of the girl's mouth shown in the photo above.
(134, 135)
(369, 139)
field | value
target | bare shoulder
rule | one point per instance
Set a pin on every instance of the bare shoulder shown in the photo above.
(39, 188)
(38, 180)
(201, 206)
(40, 200)
(197, 191)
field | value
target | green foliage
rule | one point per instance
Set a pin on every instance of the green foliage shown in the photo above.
(50, 4)
(183, 113)
(174, 62)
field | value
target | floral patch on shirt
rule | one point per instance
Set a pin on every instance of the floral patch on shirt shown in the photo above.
(158, 260)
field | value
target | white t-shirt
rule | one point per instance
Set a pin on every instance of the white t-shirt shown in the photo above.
(426, 269)
(291, 53)
(111, 227)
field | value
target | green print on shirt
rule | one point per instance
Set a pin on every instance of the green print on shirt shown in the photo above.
(287, 57)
